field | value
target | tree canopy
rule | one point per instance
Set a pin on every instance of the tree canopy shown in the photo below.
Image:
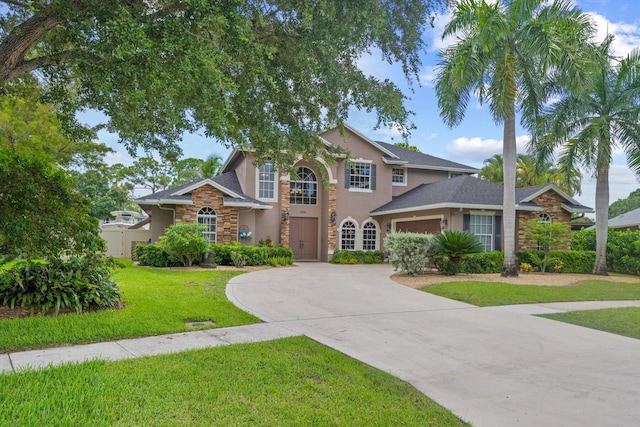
(270, 74)
(625, 205)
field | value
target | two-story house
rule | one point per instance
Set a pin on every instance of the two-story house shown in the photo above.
(378, 188)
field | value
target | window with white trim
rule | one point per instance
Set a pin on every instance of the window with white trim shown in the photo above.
(360, 175)
(544, 218)
(267, 181)
(208, 217)
(369, 236)
(399, 176)
(304, 188)
(482, 227)
(348, 236)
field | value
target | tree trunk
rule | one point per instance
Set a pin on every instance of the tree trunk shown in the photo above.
(510, 266)
(602, 217)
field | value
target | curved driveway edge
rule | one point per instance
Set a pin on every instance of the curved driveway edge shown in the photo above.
(490, 367)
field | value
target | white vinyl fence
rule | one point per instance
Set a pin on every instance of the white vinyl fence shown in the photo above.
(120, 242)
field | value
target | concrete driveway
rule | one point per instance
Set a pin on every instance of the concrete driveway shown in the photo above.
(491, 367)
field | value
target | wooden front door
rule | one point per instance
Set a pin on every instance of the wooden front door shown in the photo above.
(303, 237)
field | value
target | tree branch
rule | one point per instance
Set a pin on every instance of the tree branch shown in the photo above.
(16, 3)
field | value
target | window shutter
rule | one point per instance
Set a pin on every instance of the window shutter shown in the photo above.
(497, 233)
(373, 176)
(347, 174)
(466, 222)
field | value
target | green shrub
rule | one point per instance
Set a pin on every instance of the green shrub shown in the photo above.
(239, 259)
(408, 252)
(254, 255)
(580, 262)
(583, 240)
(448, 248)
(76, 283)
(343, 256)
(153, 255)
(623, 249)
(276, 261)
(482, 263)
(183, 241)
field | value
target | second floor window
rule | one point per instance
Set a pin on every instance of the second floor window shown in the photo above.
(304, 188)
(360, 176)
(267, 181)
(399, 176)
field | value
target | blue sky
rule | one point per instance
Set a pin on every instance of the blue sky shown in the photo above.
(477, 137)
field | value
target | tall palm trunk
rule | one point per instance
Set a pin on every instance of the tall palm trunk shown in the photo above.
(510, 266)
(602, 215)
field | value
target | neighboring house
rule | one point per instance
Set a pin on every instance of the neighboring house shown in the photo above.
(377, 189)
(626, 221)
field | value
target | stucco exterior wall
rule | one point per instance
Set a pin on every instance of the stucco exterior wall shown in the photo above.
(162, 218)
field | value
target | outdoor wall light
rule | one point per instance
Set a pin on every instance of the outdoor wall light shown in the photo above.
(285, 215)
(388, 227)
(443, 223)
(333, 217)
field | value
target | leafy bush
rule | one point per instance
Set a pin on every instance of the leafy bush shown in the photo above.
(408, 252)
(568, 261)
(255, 255)
(623, 249)
(77, 283)
(448, 248)
(153, 255)
(343, 256)
(482, 263)
(183, 241)
(276, 261)
(239, 259)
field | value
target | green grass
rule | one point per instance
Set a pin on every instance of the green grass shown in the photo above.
(157, 301)
(622, 321)
(287, 382)
(489, 293)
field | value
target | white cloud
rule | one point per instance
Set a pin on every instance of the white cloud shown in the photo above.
(434, 35)
(118, 157)
(428, 76)
(627, 36)
(477, 149)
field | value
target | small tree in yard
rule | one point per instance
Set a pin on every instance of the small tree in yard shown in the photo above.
(548, 236)
(184, 242)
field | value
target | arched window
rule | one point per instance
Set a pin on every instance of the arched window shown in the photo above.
(369, 236)
(207, 216)
(304, 188)
(348, 235)
(544, 218)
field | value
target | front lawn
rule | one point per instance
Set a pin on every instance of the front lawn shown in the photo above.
(622, 321)
(287, 382)
(157, 301)
(485, 294)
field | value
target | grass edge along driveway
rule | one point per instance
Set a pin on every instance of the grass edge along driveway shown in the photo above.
(157, 301)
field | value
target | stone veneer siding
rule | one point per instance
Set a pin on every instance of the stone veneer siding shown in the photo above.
(551, 202)
(285, 186)
(227, 224)
(333, 228)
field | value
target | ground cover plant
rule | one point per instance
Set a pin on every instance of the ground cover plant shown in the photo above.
(485, 294)
(293, 381)
(622, 321)
(156, 301)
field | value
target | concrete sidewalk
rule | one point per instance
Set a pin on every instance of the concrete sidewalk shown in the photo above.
(137, 347)
(490, 366)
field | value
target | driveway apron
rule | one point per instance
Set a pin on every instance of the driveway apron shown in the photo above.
(491, 367)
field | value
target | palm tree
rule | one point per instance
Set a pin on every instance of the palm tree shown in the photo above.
(211, 166)
(493, 170)
(591, 123)
(504, 54)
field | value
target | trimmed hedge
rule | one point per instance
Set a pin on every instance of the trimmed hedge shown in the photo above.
(344, 256)
(153, 255)
(623, 249)
(482, 263)
(252, 255)
(571, 261)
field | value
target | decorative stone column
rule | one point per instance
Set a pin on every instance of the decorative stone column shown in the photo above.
(332, 227)
(284, 210)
